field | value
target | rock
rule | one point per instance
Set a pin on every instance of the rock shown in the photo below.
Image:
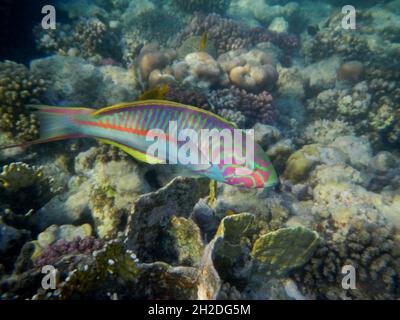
(322, 75)
(276, 253)
(358, 150)
(180, 243)
(118, 84)
(112, 189)
(75, 82)
(65, 232)
(11, 239)
(266, 135)
(280, 152)
(152, 213)
(230, 249)
(291, 83)
(132, 279)
(205, 218)
(302, 162)
(279, 25)
(209, 283)
(236, 226)
(383, 162)
(70, 208)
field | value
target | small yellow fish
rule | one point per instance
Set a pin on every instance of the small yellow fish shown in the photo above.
(203, 42)
(156, 93)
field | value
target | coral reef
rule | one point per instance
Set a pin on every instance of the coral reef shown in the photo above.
(75, 82)
(192, 44)
(190, 6)
(89, 38)
(61, 249)
(367, 245)
(187, 95)
(323, 102)
(66, 232)
(19, 87)
(229, 35)
(357, 226)
(262, 12)
(201, 70)
(154, 22)
(151, 61)
(326, 131)
(253, 71)
(23, 188)
(360, 107)
(254, 107)
(152, 211)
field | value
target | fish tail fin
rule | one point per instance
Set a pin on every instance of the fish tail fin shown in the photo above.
(56, 123)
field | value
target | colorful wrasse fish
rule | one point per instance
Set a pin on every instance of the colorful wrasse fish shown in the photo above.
(127, 126)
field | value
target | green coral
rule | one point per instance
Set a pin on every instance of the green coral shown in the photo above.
(243, 257)
(184, 240)
(232, 243)
(18, 87)
(106, 216)
(300, 163)
(281, 251)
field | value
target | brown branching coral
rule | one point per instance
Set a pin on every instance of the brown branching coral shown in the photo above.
(333, 39)
(255, 107)
(18, 87)
(186, 95)
(369, 246)
(95, 37)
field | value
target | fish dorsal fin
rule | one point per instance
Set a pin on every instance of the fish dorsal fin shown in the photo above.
(152, 103)
(143, 157)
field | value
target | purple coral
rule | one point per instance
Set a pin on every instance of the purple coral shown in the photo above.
(229, 34)
(255, 107)
(186, 95)
(54, 252)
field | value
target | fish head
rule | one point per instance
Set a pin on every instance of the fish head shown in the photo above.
(261, 174)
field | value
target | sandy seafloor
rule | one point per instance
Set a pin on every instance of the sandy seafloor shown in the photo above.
(324, 104)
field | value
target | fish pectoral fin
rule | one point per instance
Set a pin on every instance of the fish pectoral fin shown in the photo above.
(143, 157)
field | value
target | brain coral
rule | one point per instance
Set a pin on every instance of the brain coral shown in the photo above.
(252, 70)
